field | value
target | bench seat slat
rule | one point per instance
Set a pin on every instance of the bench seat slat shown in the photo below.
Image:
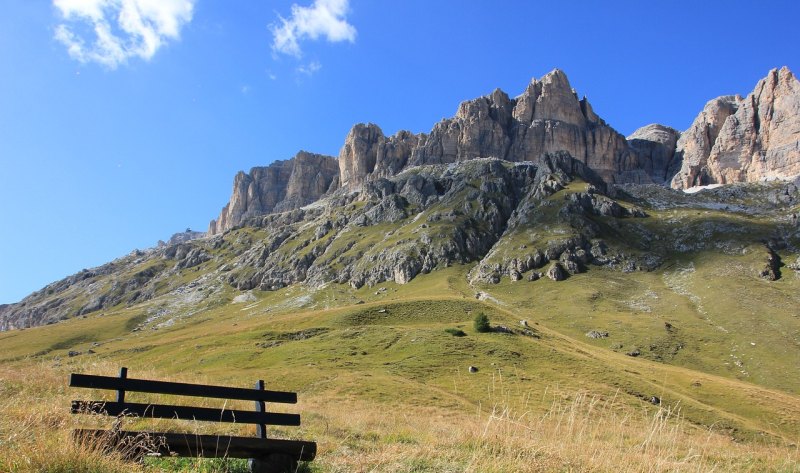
(206, 446)
(161, 411)
(78, 380)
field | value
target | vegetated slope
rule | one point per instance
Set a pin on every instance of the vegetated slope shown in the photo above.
(689, 286)
(392, 349)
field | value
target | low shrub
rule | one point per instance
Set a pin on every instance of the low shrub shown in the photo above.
(482, 323)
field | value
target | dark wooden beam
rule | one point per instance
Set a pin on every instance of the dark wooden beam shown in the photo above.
(77, 380)
(261, 406)
(123, 373)
(160, 411)
(206, 446)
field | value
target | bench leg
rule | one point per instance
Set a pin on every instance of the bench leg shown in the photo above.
(274, 463)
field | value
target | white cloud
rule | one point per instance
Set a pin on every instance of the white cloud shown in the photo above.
(323, 18)
(310, 68)
(110, 32)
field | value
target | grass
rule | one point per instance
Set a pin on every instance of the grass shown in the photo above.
(578, 431)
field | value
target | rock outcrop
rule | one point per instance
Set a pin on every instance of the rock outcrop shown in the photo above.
(732, 140)
(744, 140)
(281, 186)
(547, 117)
(656, 144)
(695, 145)
(181, 237)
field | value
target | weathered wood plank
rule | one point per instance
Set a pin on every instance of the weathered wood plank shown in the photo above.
(78, 380)
(261, 406)
(206, 446)
(161, 411)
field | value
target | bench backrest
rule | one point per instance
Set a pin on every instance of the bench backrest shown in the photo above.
(123, 384)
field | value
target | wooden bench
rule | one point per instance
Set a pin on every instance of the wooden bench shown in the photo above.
(266, 455)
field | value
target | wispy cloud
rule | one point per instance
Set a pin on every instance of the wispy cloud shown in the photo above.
(324, 18)
(309, 69)
(110, 32)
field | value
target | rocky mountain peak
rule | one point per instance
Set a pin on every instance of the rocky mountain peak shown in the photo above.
(737, 139)
(283, 185)
(359, 154)
(733, 139)
(557, 100)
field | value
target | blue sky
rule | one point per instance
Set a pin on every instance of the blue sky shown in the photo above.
(110, 146)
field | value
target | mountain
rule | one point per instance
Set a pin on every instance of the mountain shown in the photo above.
(732, 140)
(476, 190)
(355, 282)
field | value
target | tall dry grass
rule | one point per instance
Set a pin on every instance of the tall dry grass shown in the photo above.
(36, 424)
(578, 432)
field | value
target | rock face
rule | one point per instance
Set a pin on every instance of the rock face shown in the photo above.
(182, 237)
(732, 140)
(547, 118)
(695, 145)
(359, 154)
(283, 185)
(744, 140)
(656, 144)
(440, 215)
(368, 154)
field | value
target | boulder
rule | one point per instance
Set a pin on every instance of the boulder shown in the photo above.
(597, 334)
(556, 272)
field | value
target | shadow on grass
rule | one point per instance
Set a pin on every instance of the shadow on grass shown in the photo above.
(210, 465)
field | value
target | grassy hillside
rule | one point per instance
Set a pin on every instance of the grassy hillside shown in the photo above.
(382, 375)
(384, 387)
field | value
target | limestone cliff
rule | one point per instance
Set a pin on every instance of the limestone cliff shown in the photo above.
(656, 144)
(732, 140)
(547, 117)
(744, 140)
(283, 185)
(694, 146)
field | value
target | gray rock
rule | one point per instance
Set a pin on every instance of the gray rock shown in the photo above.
(656, 145)
(535, 276)
(556, 272)
(656, 401)
(597, 334)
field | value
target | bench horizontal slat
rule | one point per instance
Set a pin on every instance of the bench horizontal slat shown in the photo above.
(78, 380)
(206, 446)
(161, 411)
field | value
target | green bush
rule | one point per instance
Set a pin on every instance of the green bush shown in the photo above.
(456, 332)
(482, 323)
